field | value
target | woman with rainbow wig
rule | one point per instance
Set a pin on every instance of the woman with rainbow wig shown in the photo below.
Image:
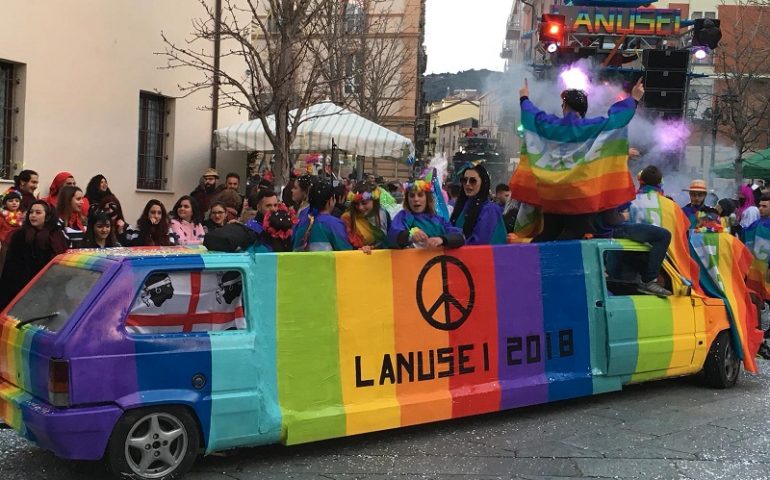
(480, 219)
(365, 221)
(417, 225)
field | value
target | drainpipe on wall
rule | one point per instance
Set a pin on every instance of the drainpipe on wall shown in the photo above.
(215, 86)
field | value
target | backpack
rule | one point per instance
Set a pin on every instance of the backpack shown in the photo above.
(232, 237)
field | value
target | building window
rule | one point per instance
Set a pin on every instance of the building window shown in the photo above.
(354, 17)
(711, 15)
(6, 118)
(352, 73)
(696, 15)
(153, 136)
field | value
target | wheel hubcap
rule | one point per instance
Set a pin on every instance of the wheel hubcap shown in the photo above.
(156, 445)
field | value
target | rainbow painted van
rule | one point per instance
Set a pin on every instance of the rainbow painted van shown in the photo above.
(148, 357)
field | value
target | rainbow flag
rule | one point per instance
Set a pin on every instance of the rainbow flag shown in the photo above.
(724, 259)
(529, 221)
(572, 165)
(758, 242)
(655, 209)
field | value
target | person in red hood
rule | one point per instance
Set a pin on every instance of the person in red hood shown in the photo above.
(64, 179)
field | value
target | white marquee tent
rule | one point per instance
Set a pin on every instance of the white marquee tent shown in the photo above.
(324, 122)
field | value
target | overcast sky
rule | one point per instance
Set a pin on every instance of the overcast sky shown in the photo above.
(465, 34)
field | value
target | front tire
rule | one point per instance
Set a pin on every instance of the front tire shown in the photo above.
(722, 367)
(153, 444)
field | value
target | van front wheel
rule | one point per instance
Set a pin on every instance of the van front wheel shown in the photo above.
(722, 366)
(154, 443)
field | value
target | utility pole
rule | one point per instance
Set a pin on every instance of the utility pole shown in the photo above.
(716, 116)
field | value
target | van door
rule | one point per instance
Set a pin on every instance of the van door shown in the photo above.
(205, 309)
(647, 336)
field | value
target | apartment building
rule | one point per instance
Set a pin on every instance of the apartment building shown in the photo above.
(83, 90)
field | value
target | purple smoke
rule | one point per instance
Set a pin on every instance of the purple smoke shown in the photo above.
(671, 135)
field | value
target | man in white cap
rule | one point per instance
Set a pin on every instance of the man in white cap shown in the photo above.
(698, 192)
(206, 189)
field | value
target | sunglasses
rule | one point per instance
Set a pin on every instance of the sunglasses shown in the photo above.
(217, 212)
(469, 180)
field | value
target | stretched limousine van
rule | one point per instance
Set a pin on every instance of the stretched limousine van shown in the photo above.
(148, 357)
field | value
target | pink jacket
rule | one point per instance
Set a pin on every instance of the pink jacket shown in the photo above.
(187, 233)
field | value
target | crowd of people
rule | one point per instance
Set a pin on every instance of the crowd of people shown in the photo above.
(312, 213)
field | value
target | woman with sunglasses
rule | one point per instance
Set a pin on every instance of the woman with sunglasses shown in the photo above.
(480, 219)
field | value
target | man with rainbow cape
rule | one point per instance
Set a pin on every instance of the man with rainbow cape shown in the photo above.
(573, 167)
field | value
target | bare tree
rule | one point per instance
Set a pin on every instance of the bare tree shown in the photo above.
(742, 71)
(363, 60)
(265, 65)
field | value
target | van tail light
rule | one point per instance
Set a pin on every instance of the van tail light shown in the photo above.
(59, 382)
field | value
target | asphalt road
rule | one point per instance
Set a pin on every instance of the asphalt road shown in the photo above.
(673, 429)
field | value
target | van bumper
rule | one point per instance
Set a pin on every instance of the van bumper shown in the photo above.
(71, 433)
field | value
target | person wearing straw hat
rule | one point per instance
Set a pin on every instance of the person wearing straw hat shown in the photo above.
(206, 189)
(698, 192)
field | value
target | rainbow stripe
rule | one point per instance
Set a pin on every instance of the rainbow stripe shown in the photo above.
(725, 259)
(757, 240)
(534, 335)
(341, 343)
(571, 165)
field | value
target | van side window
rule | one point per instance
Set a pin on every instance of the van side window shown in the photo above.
(188, 301)
(622, 272)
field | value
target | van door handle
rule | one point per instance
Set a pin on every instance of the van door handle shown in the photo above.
(599, 304)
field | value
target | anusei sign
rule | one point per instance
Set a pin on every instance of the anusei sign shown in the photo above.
(619, 21)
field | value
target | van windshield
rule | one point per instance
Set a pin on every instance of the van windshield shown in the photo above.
(54, 297)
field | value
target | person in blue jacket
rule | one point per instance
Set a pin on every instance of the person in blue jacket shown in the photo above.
(417, 225)
(480, 219)
(319, 230)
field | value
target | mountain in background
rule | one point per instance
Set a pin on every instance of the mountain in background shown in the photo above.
(439, 85)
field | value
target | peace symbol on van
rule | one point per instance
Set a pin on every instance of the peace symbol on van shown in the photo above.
(438, 312)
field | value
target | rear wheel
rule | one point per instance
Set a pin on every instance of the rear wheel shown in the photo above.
(722, 366)
(153, 443)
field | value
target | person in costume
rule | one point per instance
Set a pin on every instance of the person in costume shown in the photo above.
(642, 230)
(573, 167)
(747, 212)
(277, 229)
(480, 219)
(365, 221)
(300, 192)
(757, 238)
(11, 219)
(318, 230)
(697, 191)
(418, 225)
